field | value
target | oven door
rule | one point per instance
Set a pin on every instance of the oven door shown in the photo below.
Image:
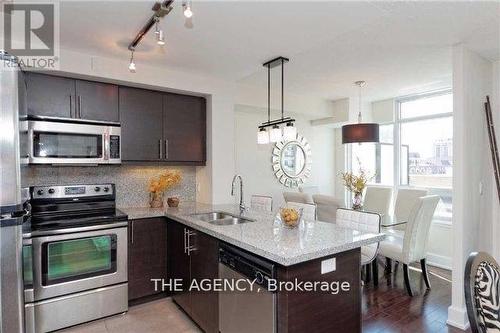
(69, 263)
(66, 143)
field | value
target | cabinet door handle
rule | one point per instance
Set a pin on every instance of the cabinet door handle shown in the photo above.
(79, 114)
(190, 248)
(70, 106)
(185, 240)
(131, 232)
(166, 149)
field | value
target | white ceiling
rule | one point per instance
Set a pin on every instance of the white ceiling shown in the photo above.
(397, 47)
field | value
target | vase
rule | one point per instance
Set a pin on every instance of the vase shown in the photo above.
(155, 200)
(173, 202)
(357, 201)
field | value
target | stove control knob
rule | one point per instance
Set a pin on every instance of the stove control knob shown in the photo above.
(106, 189)
(40, 192)
(51, 191)
(97, 188)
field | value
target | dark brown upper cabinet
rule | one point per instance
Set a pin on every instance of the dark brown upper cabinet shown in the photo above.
(163, 127)
(141, 113)
(55, 96)
(50, 96)
(97, 101)
(156, 126)
(184, 128)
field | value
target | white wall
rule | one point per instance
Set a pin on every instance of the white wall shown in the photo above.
(495, 213)
(253, 161)
(213, 179)
(472, 81)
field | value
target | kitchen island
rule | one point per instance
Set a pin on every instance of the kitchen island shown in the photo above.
(314, 251)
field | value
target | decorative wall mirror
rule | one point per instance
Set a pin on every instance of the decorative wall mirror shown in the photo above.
(292, 161)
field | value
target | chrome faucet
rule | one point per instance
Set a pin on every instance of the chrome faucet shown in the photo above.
(242, 204)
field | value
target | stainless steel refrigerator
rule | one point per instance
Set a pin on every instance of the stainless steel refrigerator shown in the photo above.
(13, 209)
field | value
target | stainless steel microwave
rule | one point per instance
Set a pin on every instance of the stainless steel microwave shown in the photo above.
(52, 142)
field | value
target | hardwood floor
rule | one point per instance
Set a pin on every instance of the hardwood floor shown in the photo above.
(388, 308)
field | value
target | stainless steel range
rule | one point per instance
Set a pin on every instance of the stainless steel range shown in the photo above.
(75, 256)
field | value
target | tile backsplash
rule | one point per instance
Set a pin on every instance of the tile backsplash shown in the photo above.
(131, 180)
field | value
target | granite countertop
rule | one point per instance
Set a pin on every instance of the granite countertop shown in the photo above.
(266, 236)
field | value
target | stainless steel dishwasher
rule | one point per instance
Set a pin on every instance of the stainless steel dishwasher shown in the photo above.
(249, 310)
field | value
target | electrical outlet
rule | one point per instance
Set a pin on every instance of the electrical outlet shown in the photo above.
(328, 265)
(480, 188)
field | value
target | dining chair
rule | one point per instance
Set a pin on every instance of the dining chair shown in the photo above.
(412, 245)
(308, 210)
(311, 189)
(482, 289)
(326, 207)
(378, 199)
(262, 203)
(367, 222)
(405, 201)
(298, 197)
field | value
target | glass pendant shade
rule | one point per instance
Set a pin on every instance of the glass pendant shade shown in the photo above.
(262, 137)
(275, 134)
(289, 132)
(361, 132)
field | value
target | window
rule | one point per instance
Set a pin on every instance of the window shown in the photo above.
(414, 151)
(426, 134)
(377, 159)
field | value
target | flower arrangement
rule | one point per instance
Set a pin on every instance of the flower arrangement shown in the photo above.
(157, 186)
(356, 184)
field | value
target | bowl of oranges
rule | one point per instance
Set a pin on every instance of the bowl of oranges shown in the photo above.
(290, 217)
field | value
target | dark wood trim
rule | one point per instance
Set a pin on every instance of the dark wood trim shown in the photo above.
(423, 265)
(407, 279)
(374, 265)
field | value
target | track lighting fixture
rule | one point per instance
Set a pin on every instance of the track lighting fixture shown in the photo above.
(186, 5)
(131, 65)
(160, 10)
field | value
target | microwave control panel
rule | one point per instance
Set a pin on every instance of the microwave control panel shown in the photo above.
(114, 146)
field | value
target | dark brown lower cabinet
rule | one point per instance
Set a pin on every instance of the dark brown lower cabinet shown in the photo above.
(322, 311)
(147, 256)
(194, 255)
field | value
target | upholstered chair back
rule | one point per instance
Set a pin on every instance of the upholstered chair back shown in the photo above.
(262, 203)
(406, 199)
(417, 229)
(298, 197)
(482, 292)
(378, 199)
(362, 221)
(308, 210)
(326, 207)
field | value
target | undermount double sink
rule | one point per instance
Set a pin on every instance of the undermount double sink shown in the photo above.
(221, 218)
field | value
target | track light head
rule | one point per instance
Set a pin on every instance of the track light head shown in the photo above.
(188, 13)
(131, 65)
(160, 39)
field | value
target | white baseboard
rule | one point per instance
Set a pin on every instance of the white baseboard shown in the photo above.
(457, 317)
(438, 261)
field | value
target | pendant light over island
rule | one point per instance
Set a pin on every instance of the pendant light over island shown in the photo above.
(270, 131)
